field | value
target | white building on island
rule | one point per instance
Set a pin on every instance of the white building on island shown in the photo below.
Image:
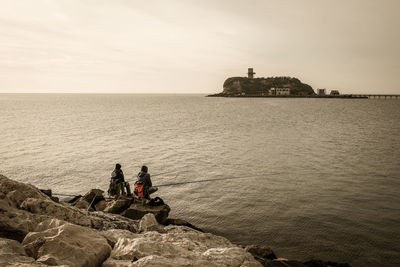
(279, 91)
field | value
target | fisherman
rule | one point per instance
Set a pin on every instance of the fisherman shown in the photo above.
(144, 186)
(118, 180)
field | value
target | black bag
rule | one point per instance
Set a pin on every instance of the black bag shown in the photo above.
(157, 201)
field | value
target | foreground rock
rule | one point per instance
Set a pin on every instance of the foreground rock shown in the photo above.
(12, 253)
(17, 192)
(14, 223)
(60, 243)
(177, 246)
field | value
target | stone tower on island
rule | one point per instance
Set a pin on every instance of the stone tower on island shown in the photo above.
(250, 73)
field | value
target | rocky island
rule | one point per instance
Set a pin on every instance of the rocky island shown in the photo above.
(273, 87)
(36, 229)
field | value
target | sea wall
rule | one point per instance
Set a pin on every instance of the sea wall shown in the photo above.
(37, 230)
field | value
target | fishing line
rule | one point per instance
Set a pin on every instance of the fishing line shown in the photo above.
(193, 182)
(209, 180)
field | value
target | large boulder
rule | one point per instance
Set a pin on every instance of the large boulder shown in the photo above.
(17, 192)
(56, 210)
(101, 205)
(14, 223)
(12, 253)
(180, 246)
(58, 242)
(94, 196)
(136, 211)
(82, 204)
(106, 221)
(149, 223)
(89, 200)
(113, 235)
(118, 205)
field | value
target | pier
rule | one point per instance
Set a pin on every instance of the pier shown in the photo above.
(378, 96)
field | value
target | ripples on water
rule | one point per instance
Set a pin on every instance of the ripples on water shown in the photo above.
(323, 174)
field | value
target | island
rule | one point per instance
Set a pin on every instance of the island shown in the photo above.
(283, 86)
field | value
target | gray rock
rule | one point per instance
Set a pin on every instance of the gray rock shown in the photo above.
(181, 246)
(93, 196)
(97, 220)
(101, 205)
(58, 243)
(136, 211)
(113, 235)
(119, 205)
(82, 204)
(16, 224)
(17, 192)
(12, 253)
(149, 223)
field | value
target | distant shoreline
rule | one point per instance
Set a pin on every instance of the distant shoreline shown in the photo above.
(291, 96)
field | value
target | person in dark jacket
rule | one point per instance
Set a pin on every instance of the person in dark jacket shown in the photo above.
(118, 176)
(144, 178)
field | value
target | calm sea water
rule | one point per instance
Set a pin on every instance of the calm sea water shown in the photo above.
(319, 178)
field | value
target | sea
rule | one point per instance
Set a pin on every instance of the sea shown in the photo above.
(310, 178)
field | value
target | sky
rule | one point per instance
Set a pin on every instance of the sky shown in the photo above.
(192, 46)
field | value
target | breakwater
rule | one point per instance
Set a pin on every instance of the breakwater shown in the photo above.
(38, 230)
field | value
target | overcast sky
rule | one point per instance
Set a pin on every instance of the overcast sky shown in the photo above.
(188, 46)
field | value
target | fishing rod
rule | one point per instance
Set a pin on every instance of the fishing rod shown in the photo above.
(162, 173)
(207, 180)
(191, 182)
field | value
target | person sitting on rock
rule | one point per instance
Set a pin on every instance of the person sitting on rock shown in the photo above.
(143, 185)
(118, 179)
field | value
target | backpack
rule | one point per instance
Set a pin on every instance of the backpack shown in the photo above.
(139, 189)
(157, 201)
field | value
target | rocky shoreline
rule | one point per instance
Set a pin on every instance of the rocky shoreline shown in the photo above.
(36, 229)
